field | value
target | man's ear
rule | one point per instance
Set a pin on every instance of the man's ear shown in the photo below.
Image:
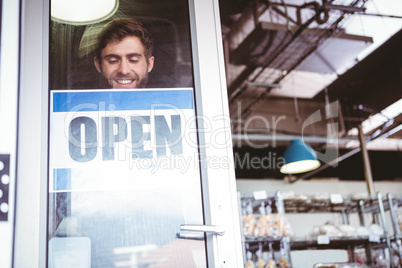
(97, 64)
(150, 63)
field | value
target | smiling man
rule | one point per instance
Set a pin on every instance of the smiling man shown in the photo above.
(123, 55)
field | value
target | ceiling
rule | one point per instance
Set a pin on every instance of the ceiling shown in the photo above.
(301, 69)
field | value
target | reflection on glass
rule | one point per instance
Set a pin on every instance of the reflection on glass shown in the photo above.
(71, 59)
(123, 163)
(82, 12)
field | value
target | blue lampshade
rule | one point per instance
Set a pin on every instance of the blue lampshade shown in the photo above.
(299, 158)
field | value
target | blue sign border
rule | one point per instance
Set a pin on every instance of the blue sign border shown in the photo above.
(122, 100)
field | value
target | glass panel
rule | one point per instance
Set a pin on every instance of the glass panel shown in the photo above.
(123, 151)
(72, 44)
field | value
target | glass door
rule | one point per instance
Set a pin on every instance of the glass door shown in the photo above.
(124, 169)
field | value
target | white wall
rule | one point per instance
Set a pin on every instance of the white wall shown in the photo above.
(8, 122)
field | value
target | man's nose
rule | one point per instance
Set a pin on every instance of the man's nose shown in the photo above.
(124, 67)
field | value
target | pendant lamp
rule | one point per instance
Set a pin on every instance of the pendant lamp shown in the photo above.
(82, 12)
(299, 158)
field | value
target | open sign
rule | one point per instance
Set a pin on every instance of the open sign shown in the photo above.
(84, 138)
(116, 128)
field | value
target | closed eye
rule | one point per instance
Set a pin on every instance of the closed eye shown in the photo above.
(134, 57)
(112, 59)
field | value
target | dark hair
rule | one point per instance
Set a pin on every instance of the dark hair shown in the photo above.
(118, 29)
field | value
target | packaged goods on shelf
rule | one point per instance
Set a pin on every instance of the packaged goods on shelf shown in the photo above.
(264, 223)
(376, 229)
(321, 196)
(248, 220)
(362, 231)
(250, 262)
(267, 259)
(346, 230)
(360, 196)
(249, 225)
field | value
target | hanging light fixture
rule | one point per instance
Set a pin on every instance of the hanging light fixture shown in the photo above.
(299, 158)
(82, 12)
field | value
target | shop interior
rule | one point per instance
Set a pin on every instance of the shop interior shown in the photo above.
(329, 73)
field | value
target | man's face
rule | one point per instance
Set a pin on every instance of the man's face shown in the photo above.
(123, 63)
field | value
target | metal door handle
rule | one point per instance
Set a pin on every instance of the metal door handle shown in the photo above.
(202, 228)
(190, 236)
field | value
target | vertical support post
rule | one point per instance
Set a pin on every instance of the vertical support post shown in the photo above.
(366, 162)
(280, 206)
(226, 56)
(369, 256)
(345, 217)
(393, 216)
(351, 255)
(384, 224)
(361, 213)
(243, 238)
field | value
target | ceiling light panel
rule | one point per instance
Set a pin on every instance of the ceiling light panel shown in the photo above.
(82, 12)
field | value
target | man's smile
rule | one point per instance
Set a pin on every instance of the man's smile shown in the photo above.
(124, 81)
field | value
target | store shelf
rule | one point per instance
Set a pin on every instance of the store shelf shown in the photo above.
(347, 205)
(338, 265)
(257, 239)
(334, 243)
(330, 203)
